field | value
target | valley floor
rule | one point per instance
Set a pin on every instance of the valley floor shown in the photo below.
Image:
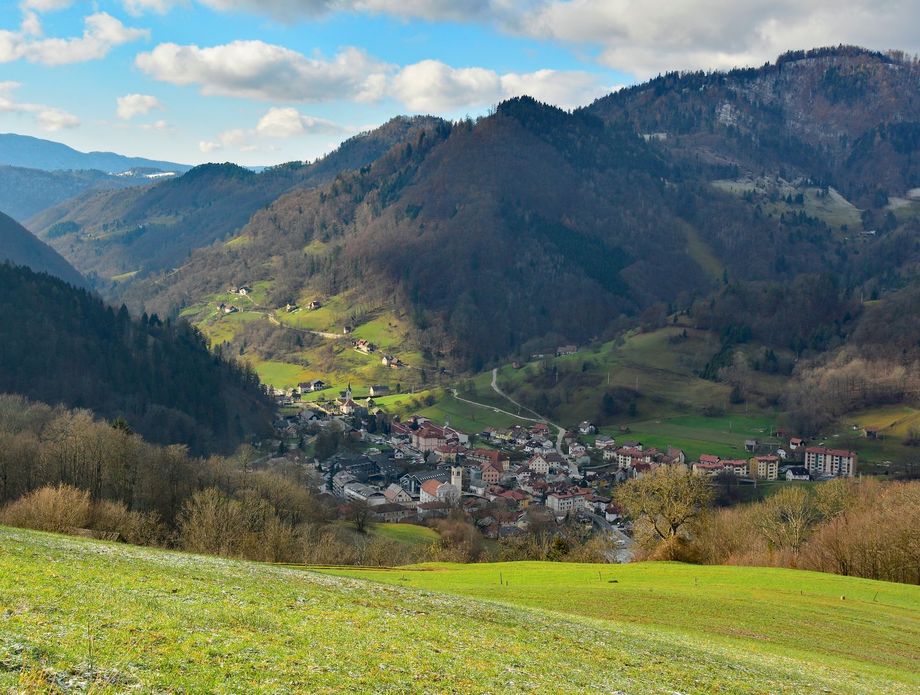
(80, 615)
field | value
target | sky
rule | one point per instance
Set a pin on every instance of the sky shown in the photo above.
(260, 82)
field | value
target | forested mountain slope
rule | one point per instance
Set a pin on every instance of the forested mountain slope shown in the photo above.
(129, 233)
(20, 247)
(842, 116)
(59, 344)
(532, 224)
(26, 192)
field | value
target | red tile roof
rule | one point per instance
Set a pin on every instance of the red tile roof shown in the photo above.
(829, 452)
(431, 486)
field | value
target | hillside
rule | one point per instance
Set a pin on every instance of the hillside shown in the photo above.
(842, 116)
(119, 236)
(20, 247)
(59, 344)
(753, 610)
(35, 153)
(26, 192)
(175, 621)
(532, 224)
(722, 200)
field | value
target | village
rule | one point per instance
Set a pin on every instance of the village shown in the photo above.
(415, 470)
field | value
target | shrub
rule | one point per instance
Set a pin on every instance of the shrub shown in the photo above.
(59, 508)
(132, 527)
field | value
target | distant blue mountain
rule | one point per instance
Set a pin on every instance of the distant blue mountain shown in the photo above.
(35, 153)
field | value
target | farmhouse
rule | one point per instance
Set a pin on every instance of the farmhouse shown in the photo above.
(312, 386)
(563, 350)
(432, 509)
(449, 452)
(675, 456)
(379, 390)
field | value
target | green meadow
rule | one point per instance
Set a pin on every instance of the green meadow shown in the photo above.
(864, 631)
(87, 616)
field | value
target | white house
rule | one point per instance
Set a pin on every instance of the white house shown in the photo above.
(564, 502)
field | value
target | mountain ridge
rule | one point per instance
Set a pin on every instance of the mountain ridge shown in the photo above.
(36, 153)
(20, 247)
(149, 229)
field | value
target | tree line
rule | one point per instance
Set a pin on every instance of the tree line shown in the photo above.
(59, 344)
(861, 528)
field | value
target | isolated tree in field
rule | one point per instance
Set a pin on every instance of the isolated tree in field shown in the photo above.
(665, 501)
(358, 512)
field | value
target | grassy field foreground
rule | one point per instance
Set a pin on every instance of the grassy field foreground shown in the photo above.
(81, 615)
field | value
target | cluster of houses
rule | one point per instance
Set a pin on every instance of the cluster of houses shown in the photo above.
(417, 469)
(815, 463)
(439, 470)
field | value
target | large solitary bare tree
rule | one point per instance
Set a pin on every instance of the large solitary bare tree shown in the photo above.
(664, 502)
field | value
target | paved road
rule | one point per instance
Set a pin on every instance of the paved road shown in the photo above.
(560, 431)
(623, 551)
(493, 408)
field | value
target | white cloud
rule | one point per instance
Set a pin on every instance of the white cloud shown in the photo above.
(53, 120)
(289, 122)
(45, 5)
(432, 86)
(568, 89)
(137, 7)
(160, 126)
(48, 118)
(102, 32)
(277, 123)
(637, 36)
(131, 105)
(258, 70)
(644, 38)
